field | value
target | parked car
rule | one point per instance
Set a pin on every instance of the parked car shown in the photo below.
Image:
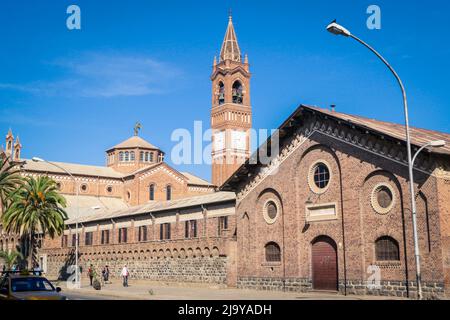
(27, 286)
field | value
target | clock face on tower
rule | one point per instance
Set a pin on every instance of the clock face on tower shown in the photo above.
(219, 141)
(238, 140)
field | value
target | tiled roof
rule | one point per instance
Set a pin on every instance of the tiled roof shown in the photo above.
(91, 205)
(195, 180)
(134, 142)
(75, 169)
(419, 137)
(155, 207)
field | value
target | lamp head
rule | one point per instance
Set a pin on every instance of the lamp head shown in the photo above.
(337, 29)
(437, 143)
(36, 159)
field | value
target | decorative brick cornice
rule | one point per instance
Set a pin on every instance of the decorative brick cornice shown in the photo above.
(388, 149)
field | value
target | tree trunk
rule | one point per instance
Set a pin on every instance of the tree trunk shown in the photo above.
(31, 251)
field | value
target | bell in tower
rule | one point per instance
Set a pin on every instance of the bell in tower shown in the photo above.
(231, 114)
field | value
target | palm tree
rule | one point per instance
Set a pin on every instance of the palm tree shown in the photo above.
(37, 208)
(10, 258)
(10, 182)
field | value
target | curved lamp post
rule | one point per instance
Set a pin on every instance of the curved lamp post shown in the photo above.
(337, 29)
(36, 159)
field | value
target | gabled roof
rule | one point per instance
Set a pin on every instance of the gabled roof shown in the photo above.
(86, 206)
(419, 136)
(75, 169)
(156, 207)
(134, 142)
(230, 47)
(196, 180)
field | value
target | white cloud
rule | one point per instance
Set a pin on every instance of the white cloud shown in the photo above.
(104, 75)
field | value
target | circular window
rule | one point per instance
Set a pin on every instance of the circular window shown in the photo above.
(319, 176)
(109, 189)
(270, 211)
(84, 187)
(58, 186)
(382, 198)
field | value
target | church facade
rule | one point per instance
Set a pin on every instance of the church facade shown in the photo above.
(330, 211)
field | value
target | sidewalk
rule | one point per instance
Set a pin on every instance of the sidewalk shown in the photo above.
(150, 290)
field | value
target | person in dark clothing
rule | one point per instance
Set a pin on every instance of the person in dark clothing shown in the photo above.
(91, 274)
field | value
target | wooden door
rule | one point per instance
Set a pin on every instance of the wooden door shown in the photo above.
(324, 264)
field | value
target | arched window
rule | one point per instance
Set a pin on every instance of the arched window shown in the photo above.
(151, 191)
(141, 156)
(168, 192)
(127, 156)
(132, 156)
(146, 157)
(121, 158)
(387, 249)
(273, 252)
(151, 156)
(221, 97)
(237, 92)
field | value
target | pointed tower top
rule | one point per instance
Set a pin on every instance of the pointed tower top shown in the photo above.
(230, 47)
(17, 143)
(10, 134)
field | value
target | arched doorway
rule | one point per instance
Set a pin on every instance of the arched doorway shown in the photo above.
(324, 264)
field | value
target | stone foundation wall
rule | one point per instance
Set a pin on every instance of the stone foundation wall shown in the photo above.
(258, 283)
(192, 260)
(430, 290)
(203, 270)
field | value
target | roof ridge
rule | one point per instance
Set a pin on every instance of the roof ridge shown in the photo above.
(371, 119)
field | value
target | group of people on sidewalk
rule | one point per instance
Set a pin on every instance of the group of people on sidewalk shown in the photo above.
(105, 275)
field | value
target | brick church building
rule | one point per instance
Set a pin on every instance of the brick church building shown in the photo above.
(330, 209)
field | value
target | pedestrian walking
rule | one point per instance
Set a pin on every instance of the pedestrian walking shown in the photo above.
(125, 274)
(91, 274)
(105, 273)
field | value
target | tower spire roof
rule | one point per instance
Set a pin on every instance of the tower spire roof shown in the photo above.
(230, 47)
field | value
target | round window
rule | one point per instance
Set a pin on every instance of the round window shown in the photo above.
(84, 187)
(383, 198)
(319, 177)
(109, 189)
(270, 211)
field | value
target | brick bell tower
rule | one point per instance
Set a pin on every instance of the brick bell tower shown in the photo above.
(231, 113)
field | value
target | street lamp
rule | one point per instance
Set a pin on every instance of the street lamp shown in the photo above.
(434, 144)
(36, 159)
(337, 29)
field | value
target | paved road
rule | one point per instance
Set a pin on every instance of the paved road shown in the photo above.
(82, 296)
(150, 290)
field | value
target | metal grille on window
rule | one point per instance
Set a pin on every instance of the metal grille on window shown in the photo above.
(321, 175)
(273, 252)
(387, 249)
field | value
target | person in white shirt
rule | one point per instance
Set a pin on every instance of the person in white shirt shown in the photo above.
(125, 275)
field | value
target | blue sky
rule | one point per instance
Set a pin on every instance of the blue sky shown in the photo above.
(72, 94)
